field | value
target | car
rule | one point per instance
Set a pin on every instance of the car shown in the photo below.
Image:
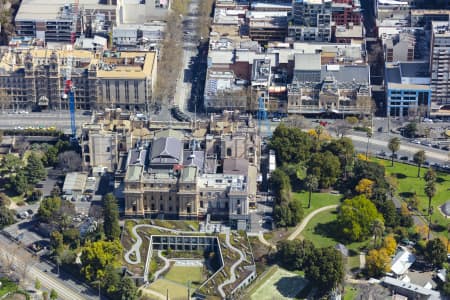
(425, 143)
(30, 211)
(382, 153)
(446, 148)
(276, 120)
(415, 142)
(404, 158)
(427, 120)
(435, 146)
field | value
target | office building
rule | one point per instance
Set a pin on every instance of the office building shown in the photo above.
(440, 62)
(408, 91)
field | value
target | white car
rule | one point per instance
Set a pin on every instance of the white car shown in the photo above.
(276, 120)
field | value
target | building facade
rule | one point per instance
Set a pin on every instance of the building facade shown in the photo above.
(408, 91)
(311, 20)
(35, 78)
(440, 62)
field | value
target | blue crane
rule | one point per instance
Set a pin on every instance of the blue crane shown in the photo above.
(69, 92)
(262, 117)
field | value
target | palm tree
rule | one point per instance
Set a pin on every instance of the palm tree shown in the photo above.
(377, 230)
(430, 191)
(419, 158)
(394, 146)
(369, 135)
(430, 175)
(311, 183)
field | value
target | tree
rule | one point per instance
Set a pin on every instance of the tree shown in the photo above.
(282, 215)
(291, 144)
(430, 191)
(111, 217)
(377, 262)
(50, 157)
(48, 207)
(356, 216)
(296, 208)
(352, 120)
(446, 285)
(37, 284)
(394, 146)
(365, 186)
(419, 158)
(293, 255)
(53, 295)
(343, 148)
(410, 130)
(34, 169)
(325, 268)
(19, 183)
(377, 230)
(96, 256)
(390, 244)
(280, 185)
(45, 295)
(56, 242)
(326, 167)
(127, 289)
(430, 175)
(69, 161)
(435, 252)
(111, 280)
(6, 217)
(11, 163)
(311, 183)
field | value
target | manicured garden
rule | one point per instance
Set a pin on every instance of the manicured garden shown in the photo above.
(185, 275)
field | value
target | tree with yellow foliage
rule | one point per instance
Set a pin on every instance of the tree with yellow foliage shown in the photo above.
(390, 244)
(422, 230)
(365, 187)
(377, 262)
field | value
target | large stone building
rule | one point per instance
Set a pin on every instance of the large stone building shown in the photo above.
(331, 88)
(36, 78)
(177, 175)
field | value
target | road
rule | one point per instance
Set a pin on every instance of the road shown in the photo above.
(407, 148)
(184, 82)
(59, 119)
(24, 263)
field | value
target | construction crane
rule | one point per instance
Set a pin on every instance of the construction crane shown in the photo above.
(262, 116)
(68, 87)
(69, 93)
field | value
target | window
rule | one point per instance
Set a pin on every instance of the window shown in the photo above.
(238, 202)
(153, 206)
(188, 209)
(170, 208)
(161, 207)
(201, 204)
(170, 198)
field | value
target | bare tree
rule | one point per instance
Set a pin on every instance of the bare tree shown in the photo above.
(69, 161)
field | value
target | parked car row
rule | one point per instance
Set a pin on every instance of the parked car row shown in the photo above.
(426, 143)
(179, 115)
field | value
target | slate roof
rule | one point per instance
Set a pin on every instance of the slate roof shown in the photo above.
(237, 166)
(166, 150)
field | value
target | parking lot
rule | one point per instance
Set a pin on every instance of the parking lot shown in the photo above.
(261, 217)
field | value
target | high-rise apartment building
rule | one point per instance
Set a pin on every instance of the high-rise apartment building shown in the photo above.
(311, 20)
(440, 63)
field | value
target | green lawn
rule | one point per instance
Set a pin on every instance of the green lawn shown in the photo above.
(183, 275)
(409, 184)
(7, 286)
(350, 293)
(320, 230)
(175, 290)
(279, 284)
(318, 200)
